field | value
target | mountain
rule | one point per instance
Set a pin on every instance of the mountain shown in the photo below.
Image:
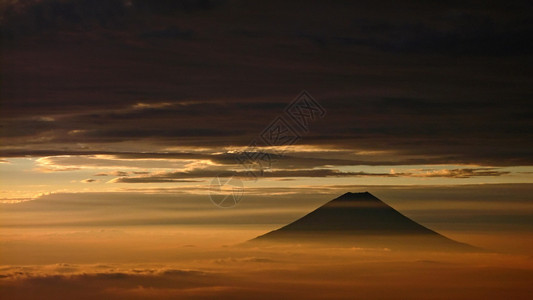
(361, 220)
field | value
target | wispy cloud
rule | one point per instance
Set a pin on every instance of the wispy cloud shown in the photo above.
(287, 174)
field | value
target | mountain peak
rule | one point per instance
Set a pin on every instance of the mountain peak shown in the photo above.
(355, 196)
(356, 200)
(350, 194)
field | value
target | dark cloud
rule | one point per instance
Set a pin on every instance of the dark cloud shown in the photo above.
(66, 160)
(25, 128)
(174, 6)
(464, 34)
(31, 17)
(441, 83)
(169, 33)
(131, 133)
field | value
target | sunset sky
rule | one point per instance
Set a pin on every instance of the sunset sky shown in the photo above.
(116, 116)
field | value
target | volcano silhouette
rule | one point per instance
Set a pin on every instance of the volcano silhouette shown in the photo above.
(361, 220)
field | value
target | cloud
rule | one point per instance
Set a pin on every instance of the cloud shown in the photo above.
(245, 274)
(169, 33)
(33, 17)
(69, 162)
(149, 180)
(460, 173)
(207, 173)
(114, 173)
(489, 205)
(172, 7)
(465, 34)
(57, 281)
(386, 124)
(89, 180)
(192, 89)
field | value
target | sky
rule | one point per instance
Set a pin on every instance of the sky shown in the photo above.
(121, 117)
(99, 94)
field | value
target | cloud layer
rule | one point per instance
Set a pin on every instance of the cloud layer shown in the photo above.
(105, 76)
